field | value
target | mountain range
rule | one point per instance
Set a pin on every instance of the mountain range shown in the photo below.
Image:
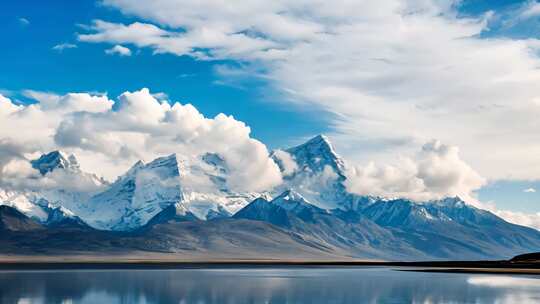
(161, 207)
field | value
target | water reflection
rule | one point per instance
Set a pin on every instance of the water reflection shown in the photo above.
(288, 285)
(505, 281)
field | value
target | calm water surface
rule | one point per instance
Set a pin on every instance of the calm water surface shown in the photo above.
(263, 285)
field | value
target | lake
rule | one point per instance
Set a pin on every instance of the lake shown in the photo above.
(264, 285)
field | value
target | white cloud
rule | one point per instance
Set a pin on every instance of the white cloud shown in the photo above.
(23, 21)
(436, 172)
(221, 45)
(405, 71)
(108, 136)
(71, 102)
(64, 46)
(529, 190)
(285, 161)
(520, 218)
(530, 9)
(118, 50)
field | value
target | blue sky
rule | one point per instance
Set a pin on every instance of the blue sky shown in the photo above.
(33, 64)
(31, 29)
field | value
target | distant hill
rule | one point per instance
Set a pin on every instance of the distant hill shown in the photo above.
(527, 257)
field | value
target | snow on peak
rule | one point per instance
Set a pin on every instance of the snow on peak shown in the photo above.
(169, 161)
(136, 166)
(56, 159)
(289, 196)
(455, 201)
(291, 200)
(59, 213)
(138, 195)
(319, 174)
(316, 154)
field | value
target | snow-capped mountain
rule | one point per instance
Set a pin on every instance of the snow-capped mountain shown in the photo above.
(205, 189)
(138, 195)
(74, 187)
(317, 154)
(27, 202)
(333, 231)
(319, 173)
(55, 160)
(12, 219)
(312, 206)
(295, 203)
(198, 184)
(320, 176)
(397, 230)
(284, 210)
(62, 217)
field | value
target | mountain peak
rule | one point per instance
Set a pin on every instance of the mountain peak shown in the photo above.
(316, 154)
(164, 161)
(63, 217)
(455, 201)
(291, 200)
(290, 195)
(140, 194)
(320, 138)
(320, 141)
(56, 159)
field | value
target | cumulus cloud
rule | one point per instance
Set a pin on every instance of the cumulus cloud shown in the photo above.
(529, 190)
(118, 50)
(406, 71)
(437, 171)
(109, 136)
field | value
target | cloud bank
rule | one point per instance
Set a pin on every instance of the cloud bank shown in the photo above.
(109, 136)
(395, 73)
(436, 172)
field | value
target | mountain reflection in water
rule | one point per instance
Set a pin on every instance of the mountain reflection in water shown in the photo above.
(263, 285)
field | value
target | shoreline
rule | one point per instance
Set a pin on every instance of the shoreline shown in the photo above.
(486, 267)
(513, 271)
